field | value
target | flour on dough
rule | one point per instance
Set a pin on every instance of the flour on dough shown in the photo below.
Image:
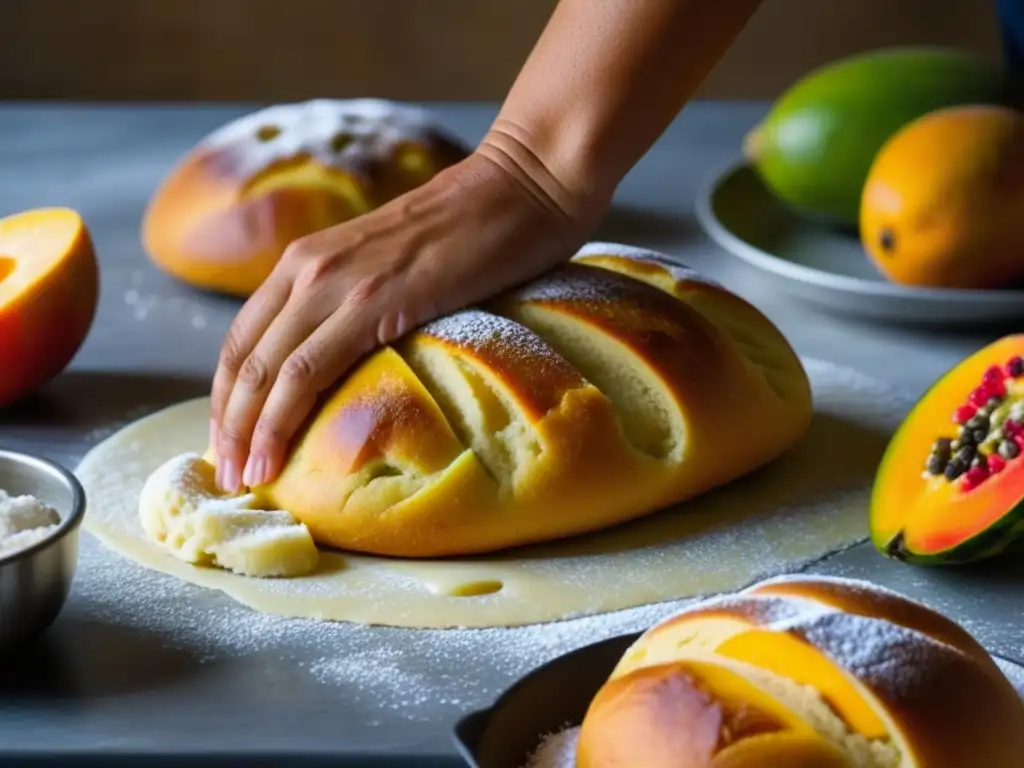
(805, 505)
(181, 508)
(24, 522)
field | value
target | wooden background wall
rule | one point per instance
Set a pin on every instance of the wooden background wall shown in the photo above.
(268, 50)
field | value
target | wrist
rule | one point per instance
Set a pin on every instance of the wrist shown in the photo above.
(558, 172)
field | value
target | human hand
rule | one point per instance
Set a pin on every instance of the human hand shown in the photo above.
(487, 223)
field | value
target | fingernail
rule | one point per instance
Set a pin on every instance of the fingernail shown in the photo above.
(213, 433)
(255, 471)
(229, 476)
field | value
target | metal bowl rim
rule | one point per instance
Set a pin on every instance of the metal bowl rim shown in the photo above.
(67, 524)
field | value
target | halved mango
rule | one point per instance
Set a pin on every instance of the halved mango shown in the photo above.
(928, 519)
(49, 291)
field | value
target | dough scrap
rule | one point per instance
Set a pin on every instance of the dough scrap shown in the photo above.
(804, 506)
(181, 508)
(24, 522)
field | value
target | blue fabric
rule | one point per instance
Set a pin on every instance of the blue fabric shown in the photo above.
(1011, 20)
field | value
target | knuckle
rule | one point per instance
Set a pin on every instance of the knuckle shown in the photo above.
(367, 288)
(231, 354)
(267, 433)
(315, 272)
(299, 369)
(230, 438)
(298, 250)
(254, 373)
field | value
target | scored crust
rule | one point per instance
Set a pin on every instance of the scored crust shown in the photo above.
(226, 212)
(885, 679)
(581, 400)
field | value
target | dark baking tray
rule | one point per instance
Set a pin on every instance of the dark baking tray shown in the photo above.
(549, 699)
(552, 697)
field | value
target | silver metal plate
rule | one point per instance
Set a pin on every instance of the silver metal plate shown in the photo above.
(828, 267)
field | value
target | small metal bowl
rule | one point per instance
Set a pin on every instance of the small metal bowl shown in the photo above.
(35, 583)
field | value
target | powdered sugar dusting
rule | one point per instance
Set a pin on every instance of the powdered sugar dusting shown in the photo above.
(513, 349)
(893, 661)
(889, 658)
(577, 283)
(557, 750)
(853, 585)
(477, 330)
(679, 271)
(346, 134)
(767, 611)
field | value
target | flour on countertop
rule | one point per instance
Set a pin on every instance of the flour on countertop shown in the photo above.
(143, 305)
(418, 674)
(383, 668)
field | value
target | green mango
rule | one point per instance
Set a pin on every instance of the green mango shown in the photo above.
(815, 147)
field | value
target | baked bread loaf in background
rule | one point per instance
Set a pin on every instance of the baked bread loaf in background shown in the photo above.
(805, 672)
(615, 385)
(224, 215)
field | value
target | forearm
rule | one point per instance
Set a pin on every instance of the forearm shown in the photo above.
(601, 85)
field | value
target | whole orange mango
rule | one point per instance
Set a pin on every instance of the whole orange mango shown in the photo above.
(943, 205)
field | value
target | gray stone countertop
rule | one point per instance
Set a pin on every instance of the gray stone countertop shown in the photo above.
(108, 689)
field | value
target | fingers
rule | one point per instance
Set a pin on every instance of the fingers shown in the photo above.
(330, 351)
(249, 325)
(236, 463)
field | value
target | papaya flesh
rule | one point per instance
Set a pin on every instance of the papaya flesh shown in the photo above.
(815, 147)
(943, 202)
(950, 486)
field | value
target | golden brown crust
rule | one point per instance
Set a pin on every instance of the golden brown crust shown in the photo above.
(226, 212)
(936, 701)
(525, 367)
(662, 717)
(523, 422)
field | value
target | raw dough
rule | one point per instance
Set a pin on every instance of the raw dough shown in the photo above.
(181, 507)
(24, 522)
(807, 504)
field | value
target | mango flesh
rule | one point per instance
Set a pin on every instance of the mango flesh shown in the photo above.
(815, 148)
(944, 200)
(787, 655)
(927, 521)
(692, 713)
(49, 292)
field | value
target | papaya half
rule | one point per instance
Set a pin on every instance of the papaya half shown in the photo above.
(950, 486)
(944, 200)
(815, 147)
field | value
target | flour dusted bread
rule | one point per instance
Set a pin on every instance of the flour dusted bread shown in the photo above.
(227, 211)
(609, 388)
(805, 671)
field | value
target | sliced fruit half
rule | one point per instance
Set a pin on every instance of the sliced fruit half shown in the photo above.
(950, 487)
(49, 290)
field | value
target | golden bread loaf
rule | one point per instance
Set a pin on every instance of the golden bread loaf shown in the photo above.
(228, 209)
(805, 671)
(615, 385)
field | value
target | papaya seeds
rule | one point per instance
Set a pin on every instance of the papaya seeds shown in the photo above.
(950, 486)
